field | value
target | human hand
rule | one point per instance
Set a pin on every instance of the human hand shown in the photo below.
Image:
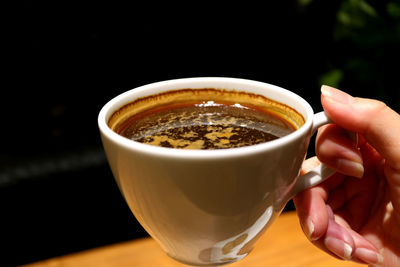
(348, 217)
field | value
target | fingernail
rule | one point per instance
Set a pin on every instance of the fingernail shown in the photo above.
(369, 256)
(350, 167)
(347, 252)
(335, 94)
(308, 228)
(339, 248)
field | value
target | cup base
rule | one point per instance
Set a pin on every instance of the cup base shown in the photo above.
(209, 264)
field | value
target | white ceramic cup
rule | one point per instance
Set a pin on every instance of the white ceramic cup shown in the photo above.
(208, 207)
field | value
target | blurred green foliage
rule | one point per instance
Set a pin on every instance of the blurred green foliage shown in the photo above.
(365, 48)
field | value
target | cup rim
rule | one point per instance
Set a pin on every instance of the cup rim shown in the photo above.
(118, 101)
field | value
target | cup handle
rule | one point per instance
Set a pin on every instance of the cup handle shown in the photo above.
(321, 172)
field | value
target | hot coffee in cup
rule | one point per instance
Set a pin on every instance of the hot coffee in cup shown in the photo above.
(212, 161)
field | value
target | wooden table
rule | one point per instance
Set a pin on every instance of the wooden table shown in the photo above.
(284, 244)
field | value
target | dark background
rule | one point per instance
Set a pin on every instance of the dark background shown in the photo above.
(66, 60)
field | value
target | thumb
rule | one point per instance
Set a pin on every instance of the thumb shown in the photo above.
(379, 124)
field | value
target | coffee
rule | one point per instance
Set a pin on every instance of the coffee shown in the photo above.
(205, 126)
(204, 122)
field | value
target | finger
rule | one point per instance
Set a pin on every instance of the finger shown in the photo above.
(379, 124)
(337, 239)
(336, 149)
(311, 203)
(344, 243)
(309, 164)
(365, 251)
(310, 206)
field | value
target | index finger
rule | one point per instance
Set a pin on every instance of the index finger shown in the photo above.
(379, 124)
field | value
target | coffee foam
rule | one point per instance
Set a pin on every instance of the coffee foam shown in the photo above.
(141, 105)
(207, 126)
